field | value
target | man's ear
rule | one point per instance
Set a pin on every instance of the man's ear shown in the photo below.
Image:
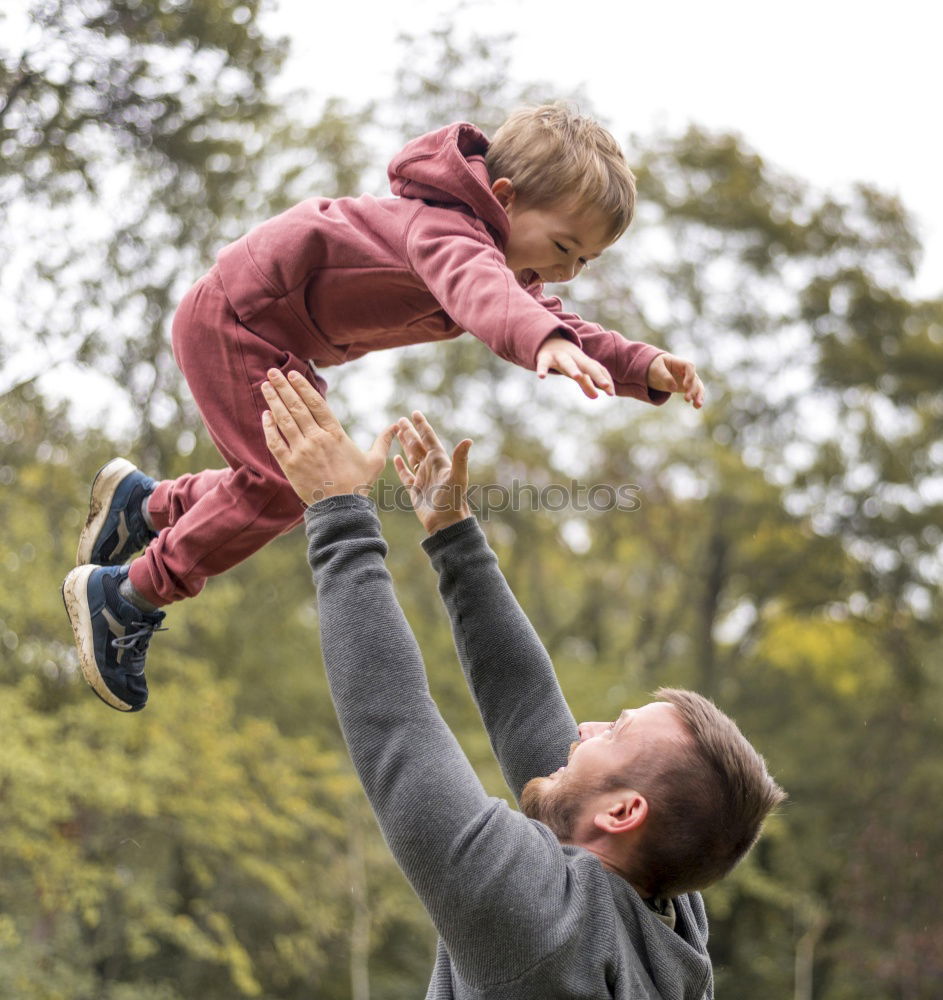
(625, 810)
(503, 190)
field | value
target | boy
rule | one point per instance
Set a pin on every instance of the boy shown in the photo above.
(474, 231)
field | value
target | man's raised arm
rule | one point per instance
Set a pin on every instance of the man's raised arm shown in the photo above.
(497, 885)
(507, 667)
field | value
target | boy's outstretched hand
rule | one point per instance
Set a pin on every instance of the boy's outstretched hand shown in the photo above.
(565, 357)
(437, 484)
(308, 442)
(673, 374)
(667, 372)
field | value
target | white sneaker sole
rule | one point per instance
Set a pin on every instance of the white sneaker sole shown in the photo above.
(75, 598)
(106, 481)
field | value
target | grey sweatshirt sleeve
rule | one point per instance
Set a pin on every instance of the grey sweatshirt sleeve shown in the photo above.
(495, 884)
(507, 667)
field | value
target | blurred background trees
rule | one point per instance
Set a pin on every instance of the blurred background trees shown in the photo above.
(783, 554)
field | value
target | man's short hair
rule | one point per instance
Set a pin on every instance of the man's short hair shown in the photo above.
(707, 796)
(552, 154)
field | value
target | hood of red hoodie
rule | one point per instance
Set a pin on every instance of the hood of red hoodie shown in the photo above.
(447, 167)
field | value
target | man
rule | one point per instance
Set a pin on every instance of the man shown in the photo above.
(592, 893)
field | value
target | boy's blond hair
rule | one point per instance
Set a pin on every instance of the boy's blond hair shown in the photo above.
(553, 154)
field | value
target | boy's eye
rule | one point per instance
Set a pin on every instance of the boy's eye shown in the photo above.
(583, 262)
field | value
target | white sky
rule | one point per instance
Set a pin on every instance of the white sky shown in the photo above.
(834, 91)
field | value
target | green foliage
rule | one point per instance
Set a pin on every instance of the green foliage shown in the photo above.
(782, 552)
(194, 845)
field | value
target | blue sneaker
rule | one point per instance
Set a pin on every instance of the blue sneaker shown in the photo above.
(111, 635)
(115, 528)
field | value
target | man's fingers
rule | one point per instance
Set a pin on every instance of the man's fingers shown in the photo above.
(402, 470)
(460, 461)
(380, 448)
(410, 440)
(316, 403)
(426, 432)
(304, 401)
(284, 418)
(274, 440)
(291, 399)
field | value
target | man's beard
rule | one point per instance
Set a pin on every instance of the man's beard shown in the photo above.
(555, 804)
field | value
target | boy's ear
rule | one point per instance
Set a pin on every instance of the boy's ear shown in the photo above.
(503, 190)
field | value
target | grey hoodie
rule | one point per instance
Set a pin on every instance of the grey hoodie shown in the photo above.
(519, 915)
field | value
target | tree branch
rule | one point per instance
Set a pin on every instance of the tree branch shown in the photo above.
(24, 78)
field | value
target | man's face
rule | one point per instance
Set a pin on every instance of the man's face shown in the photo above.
(603, 752)
(556, 241)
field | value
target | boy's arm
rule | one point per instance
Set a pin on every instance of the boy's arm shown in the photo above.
(466, 273)
(638, 370)
(507, 667)
(468, 276)
(627, 361)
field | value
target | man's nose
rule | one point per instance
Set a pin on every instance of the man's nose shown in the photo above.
(588, 730)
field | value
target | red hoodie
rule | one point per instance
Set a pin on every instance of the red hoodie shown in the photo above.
(341, 277)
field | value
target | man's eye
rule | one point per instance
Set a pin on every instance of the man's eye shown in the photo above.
(560, 247)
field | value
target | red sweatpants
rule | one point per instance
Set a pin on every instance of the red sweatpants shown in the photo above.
(214, 519)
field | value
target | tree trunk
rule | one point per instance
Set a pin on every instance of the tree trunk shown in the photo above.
(360, 908)
(815, 924)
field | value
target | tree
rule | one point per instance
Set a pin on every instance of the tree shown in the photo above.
(779, 550)
(138, 137)
(798, 509)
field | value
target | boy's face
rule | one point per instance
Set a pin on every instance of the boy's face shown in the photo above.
(554, 240)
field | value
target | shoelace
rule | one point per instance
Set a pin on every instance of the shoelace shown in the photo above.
(137, 641)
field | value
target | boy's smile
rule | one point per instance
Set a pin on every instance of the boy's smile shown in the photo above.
(556, 241)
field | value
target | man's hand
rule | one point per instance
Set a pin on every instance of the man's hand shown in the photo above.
(568, 359)
(436, 483)
(308, 442)
(673, 374)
